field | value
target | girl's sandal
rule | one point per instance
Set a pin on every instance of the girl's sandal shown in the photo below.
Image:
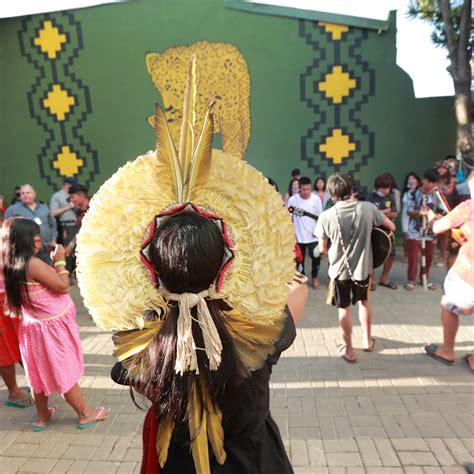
(431, 286)
(409, 286)
(102, 415)
(39, 428)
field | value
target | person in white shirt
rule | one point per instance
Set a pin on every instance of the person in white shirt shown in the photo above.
(305, 225)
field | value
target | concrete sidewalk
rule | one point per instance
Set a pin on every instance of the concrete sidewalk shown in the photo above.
(395, 411)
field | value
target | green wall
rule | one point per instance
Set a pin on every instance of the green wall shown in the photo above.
(114, 93)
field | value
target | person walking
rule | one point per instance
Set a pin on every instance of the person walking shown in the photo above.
(348, 226)
(306, 201)
(458, 298)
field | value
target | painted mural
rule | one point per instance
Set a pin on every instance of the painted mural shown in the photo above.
(78, 88)
(58, 100)
(336, 86)
(223, 77)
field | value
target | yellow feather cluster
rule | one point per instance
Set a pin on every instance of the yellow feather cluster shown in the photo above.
(116, 286)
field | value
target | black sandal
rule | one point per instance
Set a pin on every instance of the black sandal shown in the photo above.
(389, 284)
(430, 350)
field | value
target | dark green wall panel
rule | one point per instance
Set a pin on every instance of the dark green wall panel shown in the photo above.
(406, 133)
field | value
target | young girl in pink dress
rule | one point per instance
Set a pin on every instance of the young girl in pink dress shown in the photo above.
(49, 337)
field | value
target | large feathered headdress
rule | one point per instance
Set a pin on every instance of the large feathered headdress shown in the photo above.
(119, 285)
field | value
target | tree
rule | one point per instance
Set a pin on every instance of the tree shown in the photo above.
(453, 29)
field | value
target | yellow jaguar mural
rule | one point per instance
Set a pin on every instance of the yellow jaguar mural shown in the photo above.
(223, 77)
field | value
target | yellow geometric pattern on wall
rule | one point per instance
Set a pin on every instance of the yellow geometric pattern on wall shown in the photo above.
(337, 146)
(49, 40)
(223, 76)
(337, 85)
(59, 102)
(336, 31)
(67, 162)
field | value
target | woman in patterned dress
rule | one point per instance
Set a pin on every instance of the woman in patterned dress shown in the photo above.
(48, 334)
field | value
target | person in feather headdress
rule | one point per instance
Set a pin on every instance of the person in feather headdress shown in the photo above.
(195, 284)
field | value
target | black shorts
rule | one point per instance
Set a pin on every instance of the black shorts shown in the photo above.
(343, 289)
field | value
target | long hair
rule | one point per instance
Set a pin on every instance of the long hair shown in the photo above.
(405, 184)
(187, 252)
(290, 186)
(319, 178)
(17, 246)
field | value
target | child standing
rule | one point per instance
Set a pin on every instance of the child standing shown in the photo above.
(415, 227)
(49, 337)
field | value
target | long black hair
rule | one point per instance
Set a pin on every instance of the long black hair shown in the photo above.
(17, 246)
(319, 178)
(187, 252)
(405, 184)
(290, 191)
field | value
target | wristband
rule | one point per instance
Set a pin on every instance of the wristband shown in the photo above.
(60, 263)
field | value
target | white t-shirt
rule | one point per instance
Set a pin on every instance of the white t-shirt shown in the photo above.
(304, 226)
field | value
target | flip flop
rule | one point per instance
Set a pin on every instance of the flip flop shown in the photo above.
(40, 428)
(389, 284)
(98, 417)
(18, 403)
(347, 359)
(371, 348)
(409, 286)
(430, 350)
(466, 359)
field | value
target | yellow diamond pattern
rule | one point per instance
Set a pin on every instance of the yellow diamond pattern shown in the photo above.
(67, 162)
(50, 40)
(59, 102)
(337, 146)
(336, 31)
(337, 85)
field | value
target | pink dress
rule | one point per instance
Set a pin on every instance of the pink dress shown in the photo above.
(49, 341)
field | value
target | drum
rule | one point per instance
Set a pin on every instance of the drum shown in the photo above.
(382, 245)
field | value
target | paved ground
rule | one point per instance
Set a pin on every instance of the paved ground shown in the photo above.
(396, 411)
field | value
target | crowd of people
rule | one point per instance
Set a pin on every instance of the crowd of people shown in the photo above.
(332, 218)
(431, 211)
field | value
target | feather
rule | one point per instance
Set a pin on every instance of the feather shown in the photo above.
(198, 433)
(130, 343)
(200, 166)
(253, 341)
(163, 437)
(186, 141)
(167, 153)
(214, 429)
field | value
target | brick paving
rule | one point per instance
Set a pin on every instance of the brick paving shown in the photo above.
(396, 411)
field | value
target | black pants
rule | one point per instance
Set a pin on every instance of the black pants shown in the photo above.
(315, 261)
(68, 231)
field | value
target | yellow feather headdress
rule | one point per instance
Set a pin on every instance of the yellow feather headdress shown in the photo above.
(117, 288)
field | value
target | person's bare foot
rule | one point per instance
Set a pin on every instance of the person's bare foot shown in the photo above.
(316, 284)
(347, 354)
(21, 398)
(447, 355)
(44, 419)
(97, 414)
